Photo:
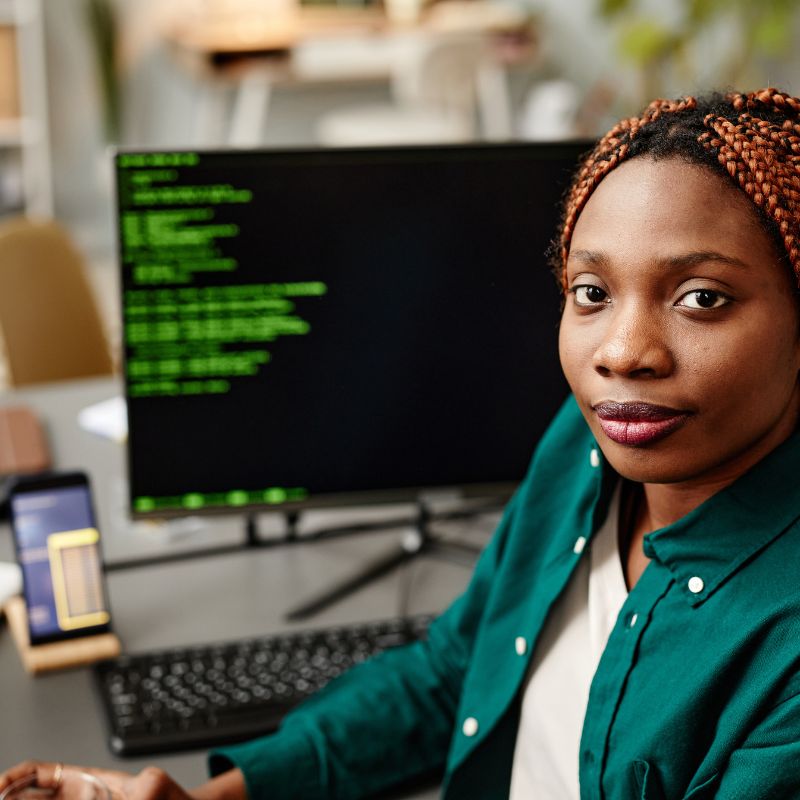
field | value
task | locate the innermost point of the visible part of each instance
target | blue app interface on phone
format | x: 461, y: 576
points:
x: 58, y: 551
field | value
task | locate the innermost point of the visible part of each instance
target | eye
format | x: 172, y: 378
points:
x: 704, y: 299
x: 589, y: 295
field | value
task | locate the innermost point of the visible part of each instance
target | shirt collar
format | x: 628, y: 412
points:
x: 708, y: 545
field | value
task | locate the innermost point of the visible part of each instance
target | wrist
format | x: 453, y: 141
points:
x: 227, y: 786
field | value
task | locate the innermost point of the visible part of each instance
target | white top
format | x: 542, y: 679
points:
x: 564, y: 662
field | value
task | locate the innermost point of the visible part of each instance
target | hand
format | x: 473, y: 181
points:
x: 150, y: 784
x: 50, y: 775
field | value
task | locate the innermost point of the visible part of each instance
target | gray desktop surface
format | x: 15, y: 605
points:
x: 244, y: 593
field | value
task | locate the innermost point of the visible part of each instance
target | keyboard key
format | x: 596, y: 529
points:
x: 209, y: 695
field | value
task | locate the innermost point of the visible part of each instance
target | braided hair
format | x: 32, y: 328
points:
x: 751, y: 139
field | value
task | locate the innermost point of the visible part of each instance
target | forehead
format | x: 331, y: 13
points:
x: 667, y: 205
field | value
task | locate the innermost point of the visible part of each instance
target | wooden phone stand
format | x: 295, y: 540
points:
x: 56, y: 655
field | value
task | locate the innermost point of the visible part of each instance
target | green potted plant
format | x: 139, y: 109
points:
x: 670, y: 49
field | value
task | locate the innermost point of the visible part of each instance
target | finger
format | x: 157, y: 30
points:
x: 43, y: 771
x: 50, y: 775
x: 45, y: 775
x: 16, y: 772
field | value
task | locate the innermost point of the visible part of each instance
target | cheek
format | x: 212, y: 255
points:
x: 707, y: 360
x: 571, y: 351
x: 578, y: 341
x: 751, y: 368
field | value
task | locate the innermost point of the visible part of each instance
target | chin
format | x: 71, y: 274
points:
x: 647, y: 465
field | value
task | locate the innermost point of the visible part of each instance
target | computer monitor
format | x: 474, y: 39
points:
x: 315, y: 327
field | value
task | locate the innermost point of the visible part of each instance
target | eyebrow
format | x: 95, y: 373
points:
x: 692, y: 259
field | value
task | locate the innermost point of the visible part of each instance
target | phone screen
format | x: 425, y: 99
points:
x: 57, y: 545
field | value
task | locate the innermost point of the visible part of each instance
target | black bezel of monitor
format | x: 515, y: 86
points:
x: 496, y: 490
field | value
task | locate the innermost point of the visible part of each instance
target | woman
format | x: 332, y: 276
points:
x: 630, y: 632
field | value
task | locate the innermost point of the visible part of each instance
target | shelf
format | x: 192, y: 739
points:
x: 19, y: 12
x: 7, y: 13
x: 24, y: 127
x: 19, y: 132
x: 11, y: 133
x: 7, y: 213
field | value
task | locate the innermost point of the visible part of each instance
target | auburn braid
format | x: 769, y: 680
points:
x: 752, y: 138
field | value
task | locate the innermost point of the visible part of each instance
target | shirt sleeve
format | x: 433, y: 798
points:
x: 384, y: 721
x: 765, y: 766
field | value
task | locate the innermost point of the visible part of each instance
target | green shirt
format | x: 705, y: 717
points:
x: 697, y: 694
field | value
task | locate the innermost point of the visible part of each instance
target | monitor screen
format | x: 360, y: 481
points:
x: 331, y: 326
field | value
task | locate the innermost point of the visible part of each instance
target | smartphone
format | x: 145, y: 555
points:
x: 58, y: 548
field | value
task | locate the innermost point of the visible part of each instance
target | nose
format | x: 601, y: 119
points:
x: 634, y: 345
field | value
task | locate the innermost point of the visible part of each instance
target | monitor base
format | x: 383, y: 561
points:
x: 421, y: 541
x: 428, y: 544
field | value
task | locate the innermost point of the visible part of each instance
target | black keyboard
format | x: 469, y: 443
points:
x: 190, y: 697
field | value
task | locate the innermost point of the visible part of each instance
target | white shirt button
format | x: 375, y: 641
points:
x: 520, y: 645
x: 470, y: 726
x: 633, y: 620
x: 594, y: 457
x: 580, y: 543
x: 696, y: 585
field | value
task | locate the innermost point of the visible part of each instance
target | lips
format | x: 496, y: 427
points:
x: 638, y: 423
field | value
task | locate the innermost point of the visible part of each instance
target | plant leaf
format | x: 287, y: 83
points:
x: 610, y: 8
x: 644, y: 41
x: 700, y: 12
x: 772, y: 31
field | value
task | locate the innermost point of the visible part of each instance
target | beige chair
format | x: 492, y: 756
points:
x: 49, y: 322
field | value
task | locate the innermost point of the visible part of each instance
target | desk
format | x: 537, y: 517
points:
x: 57, y: 717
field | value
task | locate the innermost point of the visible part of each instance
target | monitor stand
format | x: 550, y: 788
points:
x: 420, y: 541
x: 415, y: 543
x: 252, y: 539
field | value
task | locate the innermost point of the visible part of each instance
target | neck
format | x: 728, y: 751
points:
x: 665, y: 503
x: 650, y: 506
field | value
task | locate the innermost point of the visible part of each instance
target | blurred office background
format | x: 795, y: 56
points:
x: 78, y: 77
